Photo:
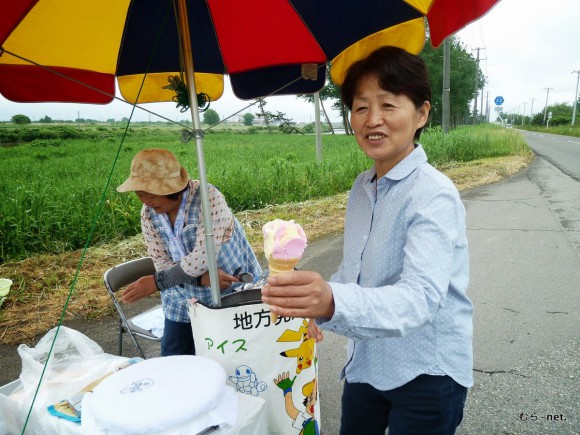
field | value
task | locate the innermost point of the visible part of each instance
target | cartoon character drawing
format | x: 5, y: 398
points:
x: 247, y: 382
x: 304, y: 353
x: 305, y: 421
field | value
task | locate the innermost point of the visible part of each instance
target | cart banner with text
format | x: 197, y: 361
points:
x: 274, y: 361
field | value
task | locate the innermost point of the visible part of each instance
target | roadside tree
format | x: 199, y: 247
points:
x: 269, y: 118
x: 561, y: 115
x: 210, y: 117
x: 464, y: 71
x: 21, y: 119
x: 331, y: 92
x: 248, y: 119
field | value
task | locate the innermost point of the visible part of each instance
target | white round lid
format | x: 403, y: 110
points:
x: 158, y: 393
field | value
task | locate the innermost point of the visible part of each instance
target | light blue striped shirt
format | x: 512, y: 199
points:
x: 400, y: 291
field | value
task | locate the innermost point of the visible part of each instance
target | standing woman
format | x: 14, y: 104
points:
x: 399, y: 294
x: 172, y: 225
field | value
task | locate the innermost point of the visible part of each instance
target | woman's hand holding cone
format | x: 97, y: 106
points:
x: 301, y: 294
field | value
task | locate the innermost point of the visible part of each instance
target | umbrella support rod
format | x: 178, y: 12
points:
x: 203, y: 183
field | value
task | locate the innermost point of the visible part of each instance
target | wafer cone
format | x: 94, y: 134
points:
x: 277, y: 266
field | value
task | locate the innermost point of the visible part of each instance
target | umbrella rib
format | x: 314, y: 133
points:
x: 100, y: 91
x: 86, y: 85
x: 234, y: 114
x: 273, y: 93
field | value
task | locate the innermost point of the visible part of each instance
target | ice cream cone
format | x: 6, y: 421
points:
x: 277, y: 266
x: 284, y: 243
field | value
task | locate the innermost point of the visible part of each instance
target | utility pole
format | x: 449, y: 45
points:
x: 532, y: 109
x: 445, y: 97
x: 546, y: 108
x: 487, y: 107
x: 476, y: 84
x: 481, y: 113
x: 524, y: 114
x: 575, y: 103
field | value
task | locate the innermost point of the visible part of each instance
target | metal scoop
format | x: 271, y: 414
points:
x: 260, y: 282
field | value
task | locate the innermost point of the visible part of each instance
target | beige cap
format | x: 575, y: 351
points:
x: 155, y: 171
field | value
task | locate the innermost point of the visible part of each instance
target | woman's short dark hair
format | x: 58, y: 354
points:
x: 397, y: 71
x: 175, y: 196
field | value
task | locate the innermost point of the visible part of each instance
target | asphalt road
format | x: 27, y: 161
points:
x: 562, y: 151
x: 524, y: 240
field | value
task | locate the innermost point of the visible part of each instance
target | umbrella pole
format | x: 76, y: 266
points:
x: 207, y: 222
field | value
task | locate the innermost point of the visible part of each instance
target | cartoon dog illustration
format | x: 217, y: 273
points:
x: 304, y: 353
x: 247, y: 382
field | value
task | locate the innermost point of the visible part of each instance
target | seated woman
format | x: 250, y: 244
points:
x: 172, y: 225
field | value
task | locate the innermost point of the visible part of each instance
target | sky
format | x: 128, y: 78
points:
x: 525, y: 46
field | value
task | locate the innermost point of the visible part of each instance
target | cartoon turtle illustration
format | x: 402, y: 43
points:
x: 247, y: 382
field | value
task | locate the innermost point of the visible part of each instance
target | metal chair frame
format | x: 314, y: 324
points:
x: 115, y: 279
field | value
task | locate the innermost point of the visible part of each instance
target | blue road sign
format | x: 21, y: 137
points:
x: 498, y: 101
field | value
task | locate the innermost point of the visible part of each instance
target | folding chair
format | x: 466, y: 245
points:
x: 118, y: 277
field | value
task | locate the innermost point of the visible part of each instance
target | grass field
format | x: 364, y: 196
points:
x: 565, y: 130
x: 60, y: 190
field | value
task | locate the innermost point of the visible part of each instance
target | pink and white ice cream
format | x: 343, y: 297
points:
x: 284, y: 244
x: 283, y: 240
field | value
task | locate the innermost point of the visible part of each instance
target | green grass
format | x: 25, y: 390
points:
x: 566, y: 130
x: 469, y: 143
x: 54, y: 187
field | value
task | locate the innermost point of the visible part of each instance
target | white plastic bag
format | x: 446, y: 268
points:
x: 74, y: 364
x: 10, y: 419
